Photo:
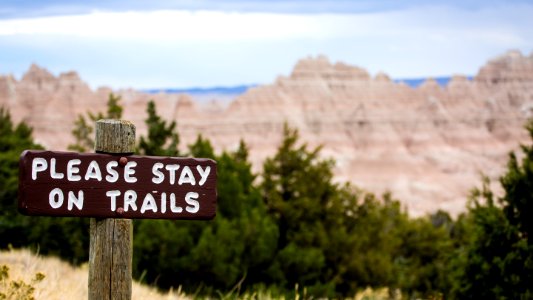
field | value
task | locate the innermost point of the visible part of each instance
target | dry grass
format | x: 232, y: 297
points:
x: 62, y: 281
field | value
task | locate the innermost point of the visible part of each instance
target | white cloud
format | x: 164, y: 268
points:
x: 199, y: 48
x: 438, y: 23
x: 166, y: 25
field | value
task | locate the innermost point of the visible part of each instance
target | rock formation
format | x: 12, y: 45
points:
x: 428, y: 145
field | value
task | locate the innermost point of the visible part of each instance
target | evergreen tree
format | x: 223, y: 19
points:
x: 241, y: 210
x: 423, y: 257
x: 202, y: 148
x: 66, y: 237
x: 336, y: 239
x: 114, y: 109
x: 83, y: 131
x: 374, y: 235
x: 310, y: 212
x: 162, y: 139
x: 161, y: 247
x: 232, y: 249
x: 498, y: 259
x: 518, y: 186
x: 14, y: 138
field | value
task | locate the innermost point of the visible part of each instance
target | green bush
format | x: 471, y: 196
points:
x: 292, y: 226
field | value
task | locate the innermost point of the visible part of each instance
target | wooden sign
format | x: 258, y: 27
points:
x: 98, y: 185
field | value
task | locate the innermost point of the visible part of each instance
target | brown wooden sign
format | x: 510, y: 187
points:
x: 98, y: 185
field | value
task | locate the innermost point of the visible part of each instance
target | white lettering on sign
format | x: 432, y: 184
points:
x: 53, y: 172
x: 93, y: 171
x: 191, y: 199
x: 173, y: 207
x: 113, y: 195
x: 159, y: 176
x: 112, y: 173
x: 72, y: 171
x: 73, y: 200
x: 186, y: 176
x: 129, y: 200
x: 152, y: 202
x: 172, y: 172
x: 203, y: 173
x: 148, y: 204
x: 129, y: 172
x: 56, y: 199
x: 38, y: 165
x: 164, y: 202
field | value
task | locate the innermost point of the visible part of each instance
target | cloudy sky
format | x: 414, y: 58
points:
x: 205, y: 43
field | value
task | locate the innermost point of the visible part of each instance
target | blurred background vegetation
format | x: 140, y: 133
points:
x: 291, y: 225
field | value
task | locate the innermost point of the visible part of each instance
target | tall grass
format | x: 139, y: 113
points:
x: 57, y: 279
x: 24, y: 275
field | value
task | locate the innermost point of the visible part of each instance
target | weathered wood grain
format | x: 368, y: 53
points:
x: 110, y: 253
x: 115, y: 136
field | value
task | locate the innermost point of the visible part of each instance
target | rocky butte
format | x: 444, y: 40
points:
x: 427, y: 145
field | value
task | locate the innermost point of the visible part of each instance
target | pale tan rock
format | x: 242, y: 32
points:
x: 427, y: 145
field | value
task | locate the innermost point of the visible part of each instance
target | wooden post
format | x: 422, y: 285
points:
x: 110, y: 253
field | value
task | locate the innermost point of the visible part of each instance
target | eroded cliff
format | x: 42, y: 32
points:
x: 428, y: 145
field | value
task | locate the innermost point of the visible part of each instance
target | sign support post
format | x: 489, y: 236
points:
x: 110, y: 252
x: 113, y: 186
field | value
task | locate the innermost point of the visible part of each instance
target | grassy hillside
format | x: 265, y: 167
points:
x: 61, y: 280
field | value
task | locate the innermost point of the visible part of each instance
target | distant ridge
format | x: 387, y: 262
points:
x: 220, y: 90
x: 427, y: 145
x: 241, y: 89
x: 416, y: 82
